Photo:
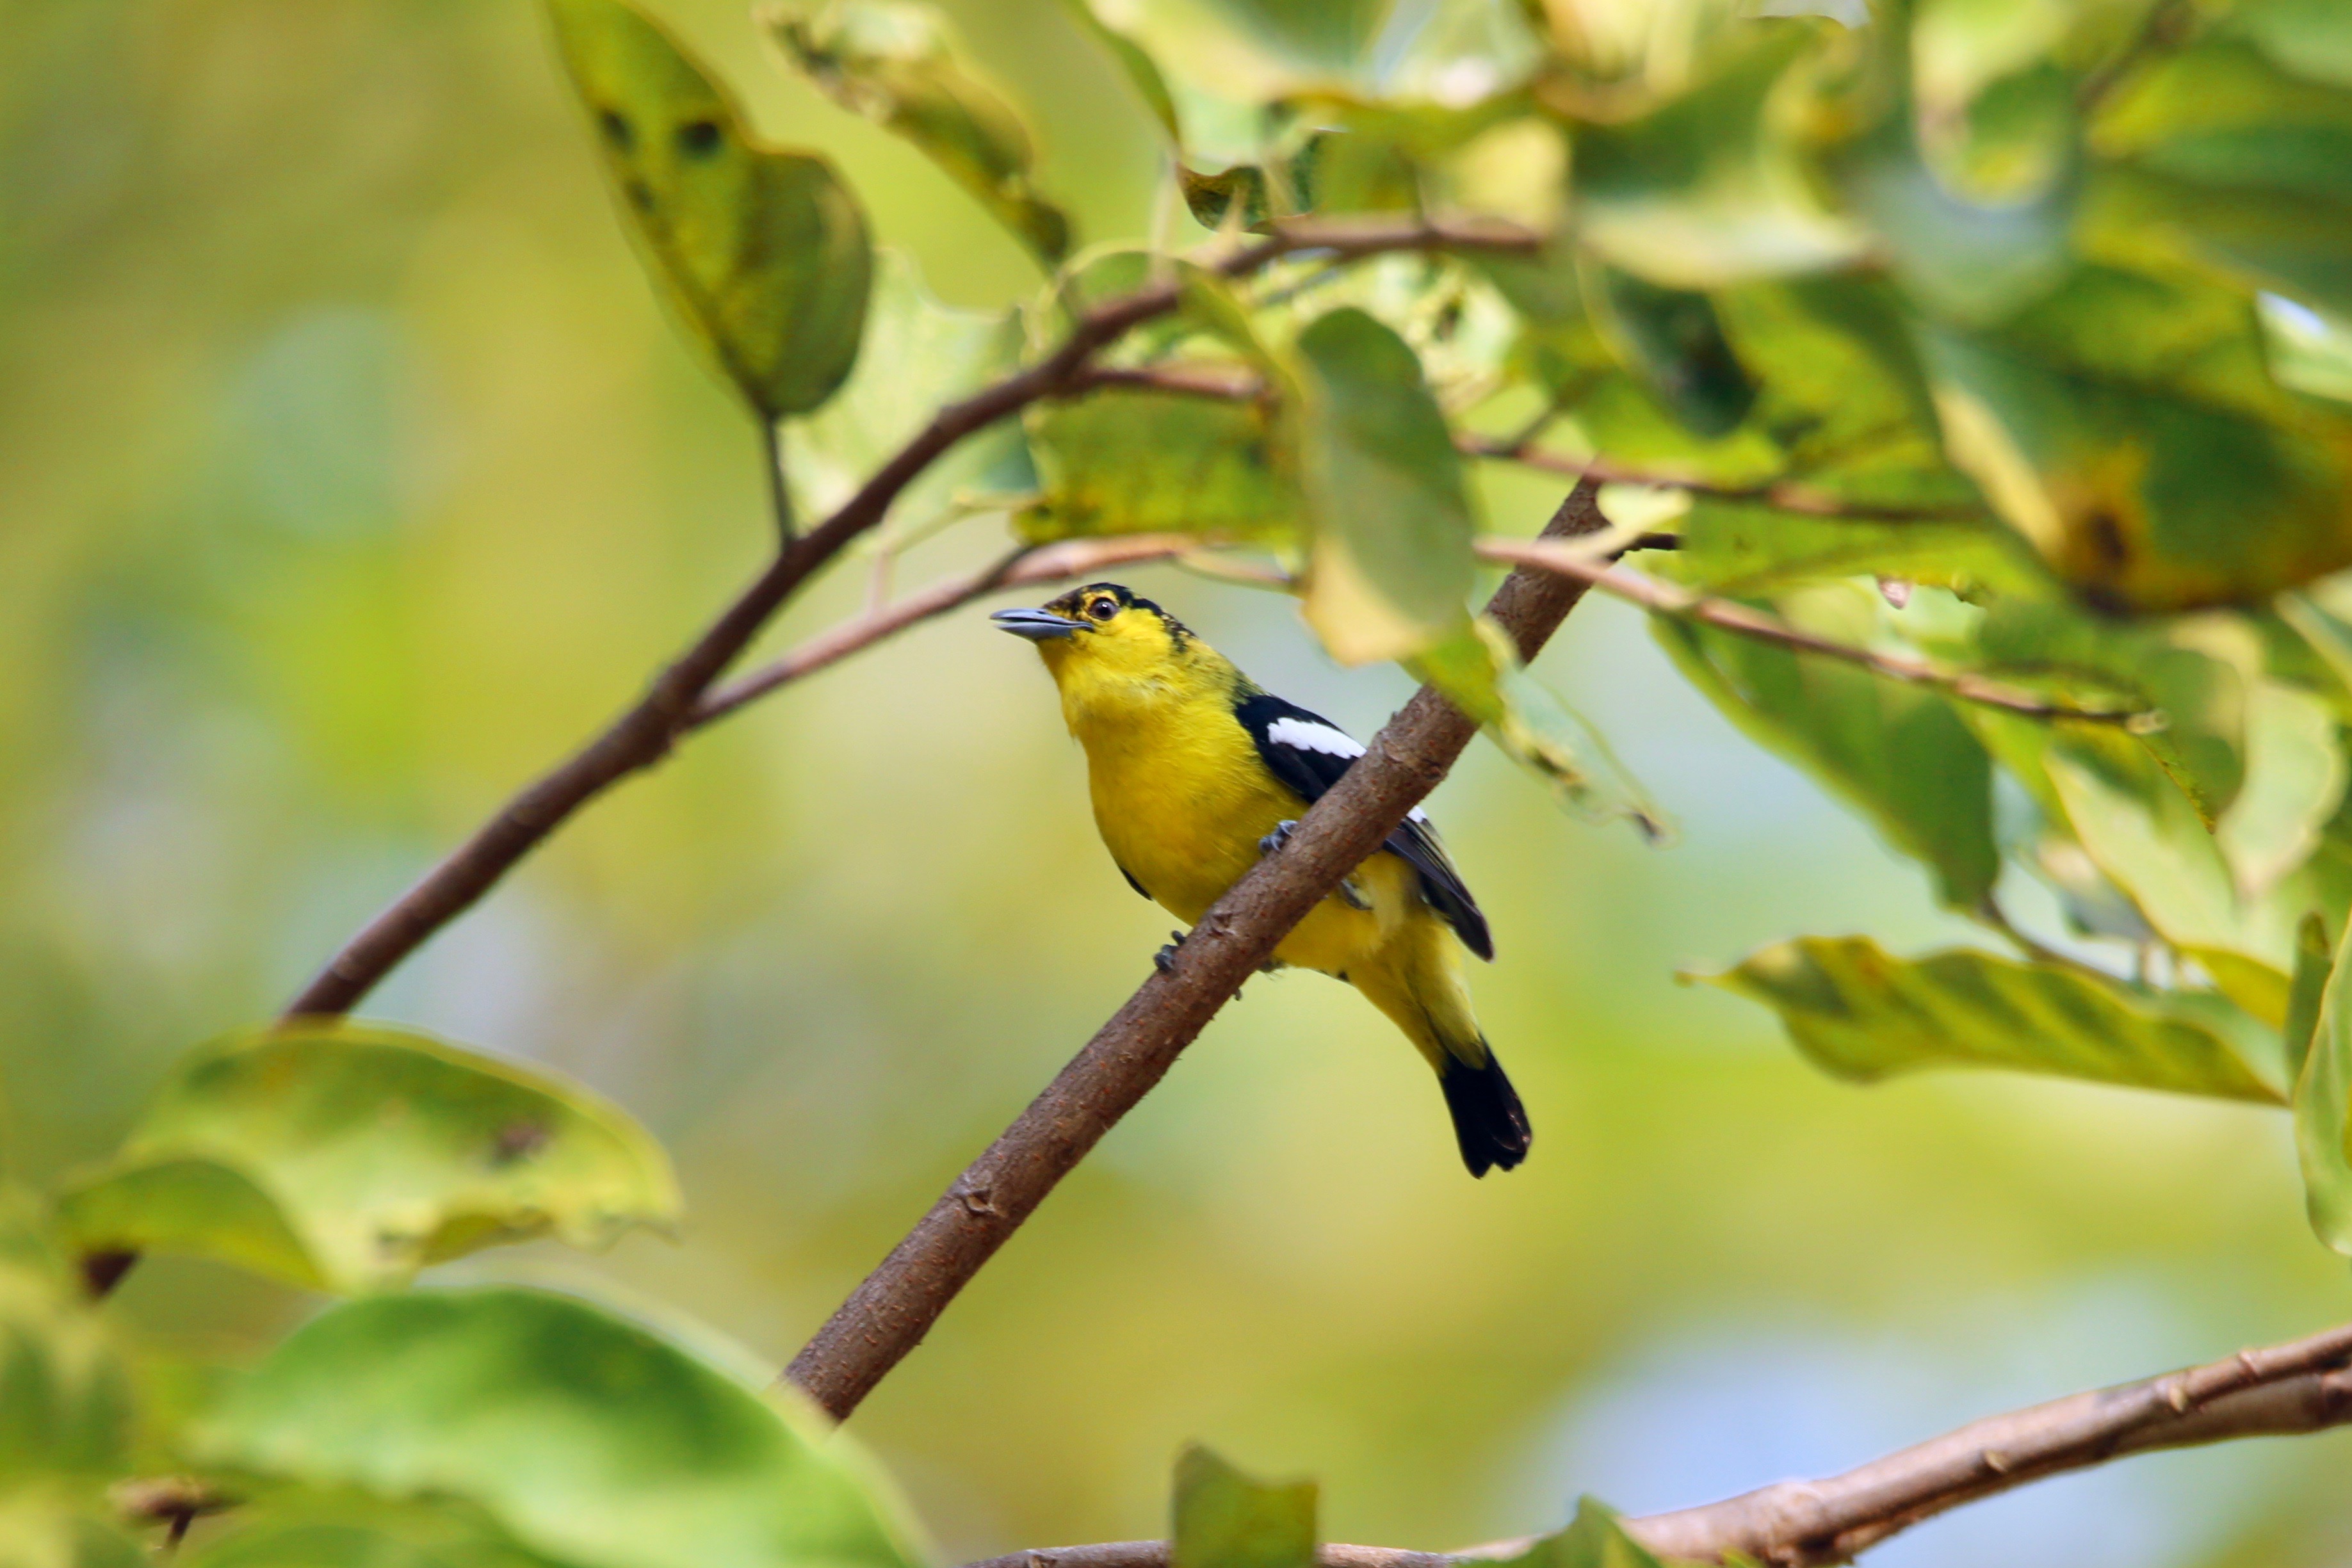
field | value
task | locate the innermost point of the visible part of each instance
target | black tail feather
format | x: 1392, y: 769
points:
x: 1489, y: 1123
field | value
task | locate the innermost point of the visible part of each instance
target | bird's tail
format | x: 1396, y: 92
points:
x: 1489, y: 1123
x: 1421, y: 990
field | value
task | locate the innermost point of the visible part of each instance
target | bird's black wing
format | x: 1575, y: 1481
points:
x: 1310, y: 753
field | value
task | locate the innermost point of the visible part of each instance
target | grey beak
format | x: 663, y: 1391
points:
x: 1037, y: 625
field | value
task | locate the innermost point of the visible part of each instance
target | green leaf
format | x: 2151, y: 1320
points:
x: 919, y: 356
x: 588, y: 1439
x: 1392, y: 520
x: 295, y: 1529
x: 1478, y: 670
x: 1861, y: 1014
x: 346, y: 1157
x: 1743, y: 548
x: 1710, y: 188
x: 1595, y: 1539
x: 2128, y: 427
x: 2313, y: 37
x: 761, y: 251
x: 1895, y: 752
x: 2149, y: 841
x: 1965, y: 259
x: 1672, y: 340
x: 65, y: 1406
x: 1224, y: 1519
x: 2227, y: 159
x: 2199, y: 684
x: 894, y: 63
x: 64, y: 1398
x: 1842, y: 389
x: 2323, y: 1088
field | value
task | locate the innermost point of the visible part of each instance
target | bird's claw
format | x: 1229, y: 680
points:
x: 1165, y: 959
x: 1351, y: 895
x: 1272, y: 843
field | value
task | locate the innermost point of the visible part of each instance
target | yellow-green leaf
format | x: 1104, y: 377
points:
x: 894, y: 62
x: 346, y: 1157
x: 761, y: 250
x: 1861, y: 1014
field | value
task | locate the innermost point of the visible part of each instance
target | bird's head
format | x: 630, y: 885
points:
x: 1102, y: 631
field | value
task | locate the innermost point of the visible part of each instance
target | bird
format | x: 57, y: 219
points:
x: 1196, y: 771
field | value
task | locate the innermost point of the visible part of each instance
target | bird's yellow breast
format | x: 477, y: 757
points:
x: 1182, y: 800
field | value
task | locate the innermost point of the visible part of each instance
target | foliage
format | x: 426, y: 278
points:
x: 2010, y: 342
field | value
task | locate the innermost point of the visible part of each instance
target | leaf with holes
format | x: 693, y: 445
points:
x: 588, y: 1439
x: 1860, y: 1013
x: 762, y: 251
x: 346, y: 1157
x: 894, y: 63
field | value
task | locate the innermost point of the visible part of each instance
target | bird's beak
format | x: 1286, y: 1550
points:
x: 1037, y: 625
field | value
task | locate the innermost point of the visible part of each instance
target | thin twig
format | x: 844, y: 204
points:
x: 2284, y: 1390
x: 1044, y: 563
x: 1665, y: 599
x: 890, y: 1312
x: 642, y: 734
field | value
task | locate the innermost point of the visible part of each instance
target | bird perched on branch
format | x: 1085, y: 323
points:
x: 1196, y: 771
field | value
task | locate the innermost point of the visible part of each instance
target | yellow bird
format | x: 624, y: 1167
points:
x: 1196, y: 771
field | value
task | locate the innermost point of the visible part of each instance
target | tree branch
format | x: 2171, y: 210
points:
x: 1665, y: 599
x: 642, y: 734
x: 2299, y: 1387
x: 890, y: 1312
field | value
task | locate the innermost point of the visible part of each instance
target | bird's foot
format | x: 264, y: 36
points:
x: 1165, y: 959
x: 1353, y: 896
x: 1272, y: 843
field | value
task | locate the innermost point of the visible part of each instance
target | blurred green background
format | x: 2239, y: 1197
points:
x: 350, y: 475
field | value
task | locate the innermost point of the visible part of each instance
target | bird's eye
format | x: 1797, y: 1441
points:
x: 1102, y: 609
